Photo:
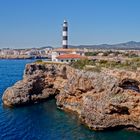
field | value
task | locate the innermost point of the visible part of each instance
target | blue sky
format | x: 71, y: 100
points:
x: 36, y: 23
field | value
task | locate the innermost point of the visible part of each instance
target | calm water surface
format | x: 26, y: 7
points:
x: 44, y: 121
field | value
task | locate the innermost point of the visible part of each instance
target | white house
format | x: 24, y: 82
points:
x: 67, y: 55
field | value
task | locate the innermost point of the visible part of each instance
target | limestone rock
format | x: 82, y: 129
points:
x: 102, y: 100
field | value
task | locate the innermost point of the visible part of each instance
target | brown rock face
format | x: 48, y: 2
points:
x: 102, y: 100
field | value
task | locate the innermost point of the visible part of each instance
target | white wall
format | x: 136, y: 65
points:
x: 54, y: 55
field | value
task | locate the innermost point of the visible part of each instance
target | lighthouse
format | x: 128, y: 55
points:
x: 65, y: 35
x: 65, y: 54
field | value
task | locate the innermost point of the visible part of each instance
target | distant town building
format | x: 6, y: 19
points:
x: 32, y: 52
x: 7, y: 51
x: 48, y: 50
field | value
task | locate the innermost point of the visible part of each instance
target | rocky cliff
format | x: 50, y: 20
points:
x: 103, y: 100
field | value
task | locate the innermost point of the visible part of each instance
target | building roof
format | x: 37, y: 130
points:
x: 70, y: 56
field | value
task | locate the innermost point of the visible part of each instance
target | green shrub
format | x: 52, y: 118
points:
x: 131, y: 64
x: 92, y: 68
x: 80, y: 64
x: 38, y: 61
x: 91, y: 53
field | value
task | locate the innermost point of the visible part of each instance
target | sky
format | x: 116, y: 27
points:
x: 37, y: 23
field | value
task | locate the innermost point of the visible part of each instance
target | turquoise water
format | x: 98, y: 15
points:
x: 44, y: 121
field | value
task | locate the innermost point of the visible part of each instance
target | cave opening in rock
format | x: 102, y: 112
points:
x: 130, y: 84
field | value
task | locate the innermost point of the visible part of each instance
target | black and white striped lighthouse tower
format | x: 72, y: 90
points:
x: 65, y: 35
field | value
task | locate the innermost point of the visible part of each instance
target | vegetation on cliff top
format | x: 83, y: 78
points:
x: 108, y: 53
x: 47, y: 62
x: 132, y: 64
x: 96, y: 65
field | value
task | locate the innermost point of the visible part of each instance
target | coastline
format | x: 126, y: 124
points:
x: 101, y: 100
x: 21, y: 57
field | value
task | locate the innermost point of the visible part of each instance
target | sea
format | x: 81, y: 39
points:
x: 44, y: 121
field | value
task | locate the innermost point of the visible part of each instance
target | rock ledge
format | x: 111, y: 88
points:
x: 102, y: 100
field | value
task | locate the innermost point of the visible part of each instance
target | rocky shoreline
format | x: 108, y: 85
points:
x: 15, y: 57
x: 102, y: 100
x: 12, y: 57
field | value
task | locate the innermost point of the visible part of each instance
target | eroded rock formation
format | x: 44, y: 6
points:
x: 102, y: 100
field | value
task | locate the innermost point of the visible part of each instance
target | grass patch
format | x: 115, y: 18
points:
x: 48, y: 62
x: 132, y: 64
